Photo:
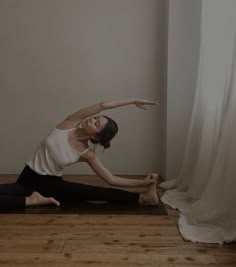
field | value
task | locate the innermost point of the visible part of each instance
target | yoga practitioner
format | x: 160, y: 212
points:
x: 41, y: 181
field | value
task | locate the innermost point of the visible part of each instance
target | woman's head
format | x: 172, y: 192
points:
x: 101, y: 129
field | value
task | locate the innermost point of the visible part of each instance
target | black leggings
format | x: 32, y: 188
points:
x: 12, y: 196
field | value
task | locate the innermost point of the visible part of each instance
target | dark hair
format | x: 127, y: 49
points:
x: 107, y: 133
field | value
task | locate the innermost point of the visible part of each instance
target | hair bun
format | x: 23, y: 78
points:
x: 106, y: 145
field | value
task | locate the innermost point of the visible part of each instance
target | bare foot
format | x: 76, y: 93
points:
x: 37, y: 199
x: 150, y: 198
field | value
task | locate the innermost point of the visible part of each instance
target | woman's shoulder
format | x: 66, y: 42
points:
x: 87, y: 155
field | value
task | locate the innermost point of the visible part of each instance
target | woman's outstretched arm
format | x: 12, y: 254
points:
x: 99, y: 107
x: 107, y: 176
x: 77, y: 117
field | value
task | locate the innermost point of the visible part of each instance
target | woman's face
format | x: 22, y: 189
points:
x: 94, y: 125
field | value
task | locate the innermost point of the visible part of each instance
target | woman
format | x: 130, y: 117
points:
x: 41, y: 181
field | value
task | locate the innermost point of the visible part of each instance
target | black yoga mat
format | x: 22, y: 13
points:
x: 93, y: 208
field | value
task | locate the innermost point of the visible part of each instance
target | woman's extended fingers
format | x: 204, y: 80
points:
x: 141, y: 106
x: 142, y: 102
x: 148, y: 102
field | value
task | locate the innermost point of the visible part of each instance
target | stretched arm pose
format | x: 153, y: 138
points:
x: 101, y: 129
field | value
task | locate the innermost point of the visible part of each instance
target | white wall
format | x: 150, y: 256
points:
x: 183, y: 50
x: 60, y: 55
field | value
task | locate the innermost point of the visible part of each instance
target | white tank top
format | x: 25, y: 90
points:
x: 54, y: 153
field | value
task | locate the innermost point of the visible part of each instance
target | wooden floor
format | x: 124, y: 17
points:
x: 103, y: 240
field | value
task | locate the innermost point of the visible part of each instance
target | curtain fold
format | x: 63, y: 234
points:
x: 204, y: 190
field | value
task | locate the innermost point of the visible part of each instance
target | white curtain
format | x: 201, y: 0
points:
x: 205, y: 189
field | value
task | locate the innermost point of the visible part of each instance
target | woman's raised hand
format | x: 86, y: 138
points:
x: 141, y: 103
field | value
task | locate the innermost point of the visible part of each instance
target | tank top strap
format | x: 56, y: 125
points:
x: 85, y: 151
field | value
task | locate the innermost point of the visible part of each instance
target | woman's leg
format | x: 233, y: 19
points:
x: 20, y: 194
x: 65, y: 191
x: 30, y: 179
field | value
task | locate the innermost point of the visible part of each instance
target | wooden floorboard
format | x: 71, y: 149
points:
x: 56, y: 240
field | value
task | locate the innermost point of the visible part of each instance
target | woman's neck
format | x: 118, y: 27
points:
x: 81, y: 135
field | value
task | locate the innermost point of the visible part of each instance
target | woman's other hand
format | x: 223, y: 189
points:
x: 151, y: 178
